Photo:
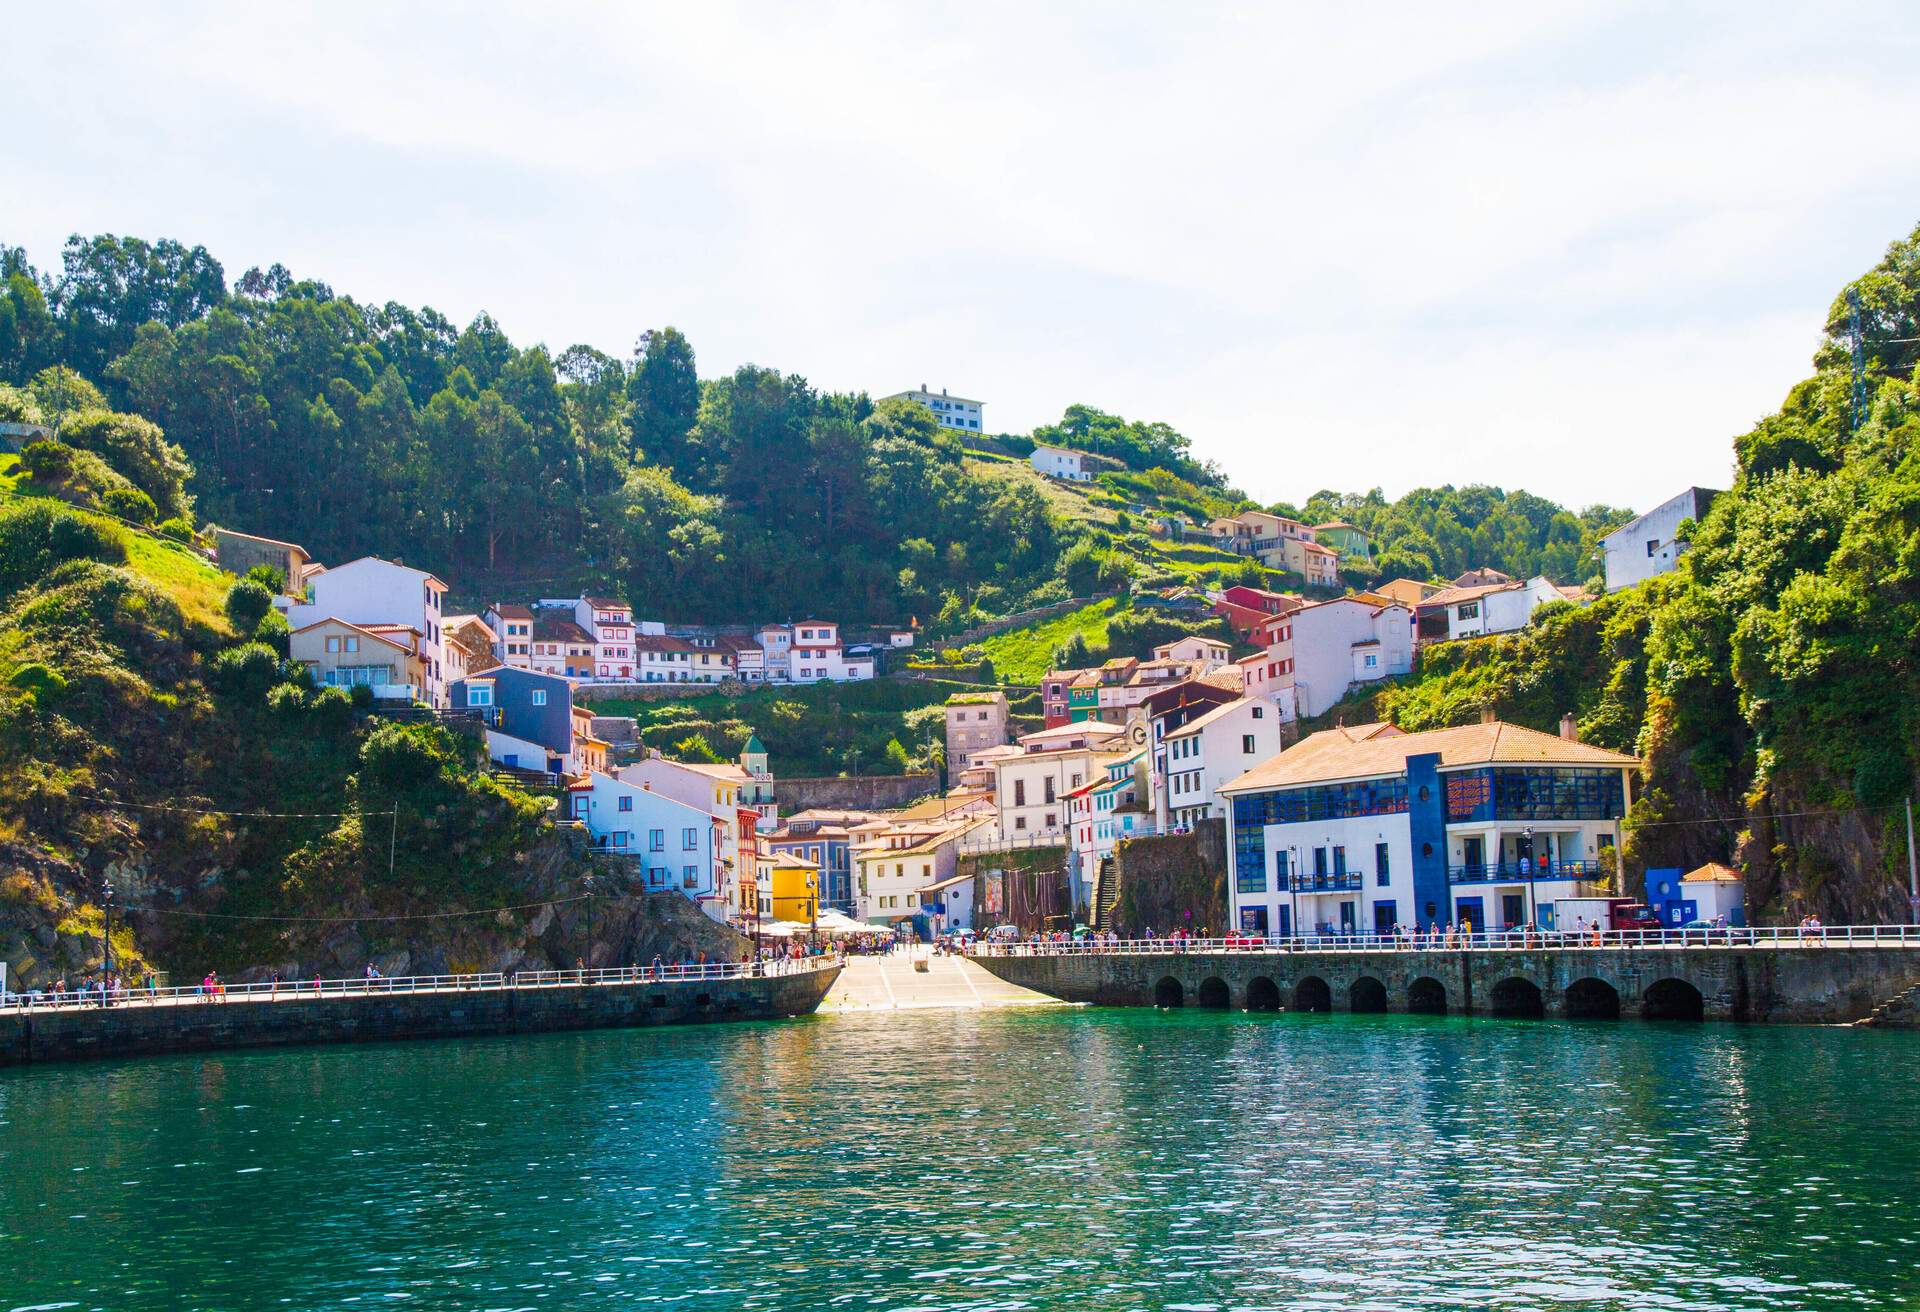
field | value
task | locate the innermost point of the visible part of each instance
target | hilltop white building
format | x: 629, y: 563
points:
x: 1651, y: 544
x: 956, y: 412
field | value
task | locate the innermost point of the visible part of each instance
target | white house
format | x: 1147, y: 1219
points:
x: 1361, y: 829
x: 608, y: 621
x: 1477, y: 610
x: 371, y: 591
x: 1207, y: 654
x: 512, y: 625
x: 1208, y: 751
x: 955, y: 412
x: 1651, y: 544
x: 1321, y: 650
x: 715, y: 789
x: 1058, y: 462
x: 674, y: 844
x: 905, y: 871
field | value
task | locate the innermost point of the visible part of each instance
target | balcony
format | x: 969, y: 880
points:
x: 1333, y: 881
x: 1520, y: 872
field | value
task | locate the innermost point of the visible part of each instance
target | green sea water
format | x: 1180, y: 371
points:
x: 1060, y: 1158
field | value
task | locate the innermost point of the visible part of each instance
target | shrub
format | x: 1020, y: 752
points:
x: 176, y: 528
x: 45, y: 461
x: 19, y: 407
x: 135, y: 448
x: 267, y: 577
x: 37, y: 535
x: 247, y: 670
x: 333, y: 707
x: 40, y: 682
x: 129, y: 503
x: 274, y: 631
x: 286, y: 699
x: 362, y: 696
x: 247, y: 604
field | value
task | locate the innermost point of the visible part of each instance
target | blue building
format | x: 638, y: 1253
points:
x: 529, y: 716
x: 824, y: 838
x: 1358, y: 829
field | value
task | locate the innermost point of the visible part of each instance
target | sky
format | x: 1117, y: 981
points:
x: 1575, y: 248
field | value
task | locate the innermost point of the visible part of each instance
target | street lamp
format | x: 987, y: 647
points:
x: 584, y: 958
x: 813, y: 912
x: 106, y: 944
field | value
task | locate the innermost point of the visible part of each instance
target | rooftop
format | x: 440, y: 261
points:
x: 1335, y: 754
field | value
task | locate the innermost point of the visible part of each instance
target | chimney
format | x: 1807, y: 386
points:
x: 1486, y: 715
x: 1568, y: 729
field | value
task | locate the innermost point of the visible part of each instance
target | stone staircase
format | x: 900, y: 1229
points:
x: 1106, y: 894
x: 1902, y: 1009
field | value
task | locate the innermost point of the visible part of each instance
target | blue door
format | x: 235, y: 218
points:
x: 1384, y: 916
x: 1469, y: 909
x: 1285, y: 916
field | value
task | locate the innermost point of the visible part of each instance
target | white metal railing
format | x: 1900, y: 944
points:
x: 298, y: 990
x: 1790, y: 936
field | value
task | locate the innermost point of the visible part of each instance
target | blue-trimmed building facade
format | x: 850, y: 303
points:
x: 1425, y: 838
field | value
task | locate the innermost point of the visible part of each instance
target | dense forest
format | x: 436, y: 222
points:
x: 1772, y: 681
x: 357, y: 428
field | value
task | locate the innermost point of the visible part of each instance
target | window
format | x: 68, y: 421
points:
x: 1246, y: 743
x: 690, y: 876
x: 539, y: 697
x: 1019, y: 792
x: 1382, y: 873
x: 333, y: 644
x: 1372, y: 661
x: 1259, y: 713
x: 1653, y: 547
x: 1468, y: 610
x: 1019, y: 822
x: 626, y: 804
x: 620, y: 836
x: 1050, y: 819
x: 1048, y: 789
x: 656, y: 840
x: 689, y: 839
x: 1319, y: 860
x: 479, y: 696
x: 913, y: 899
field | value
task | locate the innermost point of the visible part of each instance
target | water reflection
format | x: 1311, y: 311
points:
x: 1047, y: 1159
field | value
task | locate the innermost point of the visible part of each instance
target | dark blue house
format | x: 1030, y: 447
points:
x: 529, y: 716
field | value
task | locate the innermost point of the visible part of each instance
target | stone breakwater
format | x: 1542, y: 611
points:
x: 130, y: 1030
x: 1795, y: 984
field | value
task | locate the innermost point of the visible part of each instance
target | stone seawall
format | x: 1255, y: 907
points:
x: 1784, y: 985
x: 868, y: 792
x: 138, y: 1030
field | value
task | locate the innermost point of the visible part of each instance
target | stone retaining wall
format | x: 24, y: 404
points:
x: 869, y: 792
x: 1787, y: 985
x: 133, y: 1030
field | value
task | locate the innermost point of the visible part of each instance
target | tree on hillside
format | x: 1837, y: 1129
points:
x: 665, y: 392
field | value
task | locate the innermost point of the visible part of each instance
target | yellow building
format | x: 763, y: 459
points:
x: 793, y: 888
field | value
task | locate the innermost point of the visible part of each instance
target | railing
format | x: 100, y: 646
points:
x: 1331, y: 881
x: 1508, y: 872
x: 1516, y: 940
x: 302, y: 990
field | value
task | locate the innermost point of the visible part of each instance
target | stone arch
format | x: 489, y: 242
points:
x: 1592, y: 999
x: 1517, y: 996
x: 1312, y: 994
x: 1214, y: 994
x: 1427, y: 996
x: 1673, y: 999
x: 1169, y: 993
x: 1367, y: 994
x: 1262, y: 994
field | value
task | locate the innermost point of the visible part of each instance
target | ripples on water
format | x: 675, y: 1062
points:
x: 958, y: 1160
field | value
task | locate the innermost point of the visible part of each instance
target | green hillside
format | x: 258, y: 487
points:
x: 1772, y: 680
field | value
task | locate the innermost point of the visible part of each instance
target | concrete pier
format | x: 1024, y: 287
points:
x: 135, y: 1029
x: 1786, y: 984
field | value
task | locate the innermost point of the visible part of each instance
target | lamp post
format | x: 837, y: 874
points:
x: 586, y: 956
x: 813, y: 912
x: 1527, y: 836
x: 106, y: 944
x: 1293, y: 890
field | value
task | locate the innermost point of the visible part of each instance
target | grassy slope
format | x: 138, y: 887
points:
x: 1021, y: 656
x: 199, y: 586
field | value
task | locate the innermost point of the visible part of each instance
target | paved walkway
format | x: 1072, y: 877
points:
x: 890, y: 983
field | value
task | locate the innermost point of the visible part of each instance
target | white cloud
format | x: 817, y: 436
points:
x: 1572, y: 249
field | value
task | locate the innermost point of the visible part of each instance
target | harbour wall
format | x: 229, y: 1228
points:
x: 1780, y: 985
x: 136, y: 1029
